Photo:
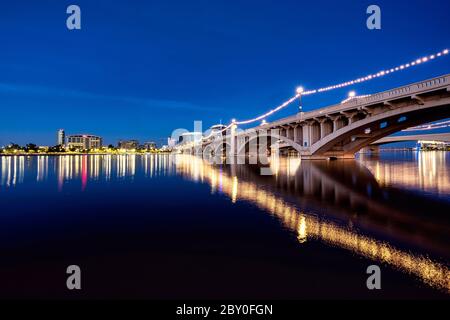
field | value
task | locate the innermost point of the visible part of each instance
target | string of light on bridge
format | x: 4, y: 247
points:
x: 301, y: 92
x: 382, y: 73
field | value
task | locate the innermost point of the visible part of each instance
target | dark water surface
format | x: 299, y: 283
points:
x: 160, y: 226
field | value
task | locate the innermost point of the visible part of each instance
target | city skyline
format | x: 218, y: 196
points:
x: 62, y: 137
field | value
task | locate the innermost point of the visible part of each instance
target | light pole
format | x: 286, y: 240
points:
x: 299, y: 92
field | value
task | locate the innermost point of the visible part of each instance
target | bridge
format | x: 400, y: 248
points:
x: 441, y: 137
x: 337, y: 131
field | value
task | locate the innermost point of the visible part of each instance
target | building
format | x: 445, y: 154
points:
x: 150, y: 145
x: 60, y: 137
x: 128, y: 144
x: 433, y: 145
x: 84, y: 141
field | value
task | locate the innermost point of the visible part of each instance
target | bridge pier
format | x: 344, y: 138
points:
x: 298, y: 134
x: 306, y: 135
x: 231, y: 146
x: 315, y: 132
x: 326, y: 127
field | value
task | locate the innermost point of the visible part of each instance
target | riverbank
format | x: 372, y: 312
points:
x: 79, y: 153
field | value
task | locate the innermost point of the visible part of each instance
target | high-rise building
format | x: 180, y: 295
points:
x: 84, y: 141
x: 60, y: 137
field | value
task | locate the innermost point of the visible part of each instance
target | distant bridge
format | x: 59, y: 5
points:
x: 441, y: 137
x: 341, y: 130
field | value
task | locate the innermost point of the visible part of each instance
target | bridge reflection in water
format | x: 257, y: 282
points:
x: 353, y: 205
x: 236, y: 185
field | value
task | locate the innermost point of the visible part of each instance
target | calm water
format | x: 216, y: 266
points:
x: 174, y: 227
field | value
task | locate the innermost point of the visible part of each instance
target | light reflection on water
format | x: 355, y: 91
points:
x: 12, y: 171
x: 84, y: 167
x: 428, y: 172
x: 311, y: 226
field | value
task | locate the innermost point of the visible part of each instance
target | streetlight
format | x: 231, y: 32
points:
x: 352, y: 94
x: 299, y: 92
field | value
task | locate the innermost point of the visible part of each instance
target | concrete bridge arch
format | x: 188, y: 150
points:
x: 348, y: 140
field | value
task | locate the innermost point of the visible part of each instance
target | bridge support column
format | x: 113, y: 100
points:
x: 241, y: 148
x: 326, y: 127
x: 290, y: 133
x: 270, y: 139
x: 315, y: 132
x: 340, y: 122
x: 273, y: 142
x: 322, y: 130
x: 351, y: 117
x: 252, y: 146
x: 232, y: 144
x: 298, y: 134
x: 306, y: 135
x: 263, y: 142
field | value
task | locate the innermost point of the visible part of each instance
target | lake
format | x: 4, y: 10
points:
x: 176, y: 227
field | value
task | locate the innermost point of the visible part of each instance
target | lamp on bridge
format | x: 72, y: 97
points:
x: 352, y: 94
x: 233, y: 124
x: 299, y: 92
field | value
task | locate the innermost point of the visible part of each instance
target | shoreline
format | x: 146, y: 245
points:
x: 168, y: 152
x: 78, y: 154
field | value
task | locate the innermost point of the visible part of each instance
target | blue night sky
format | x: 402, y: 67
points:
x: 139, y: 69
